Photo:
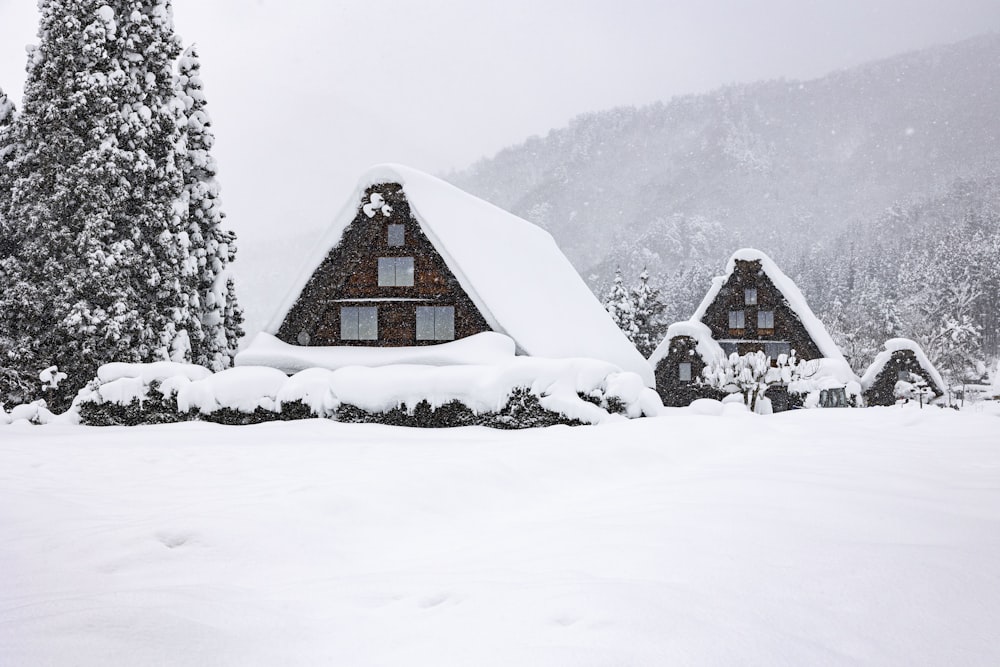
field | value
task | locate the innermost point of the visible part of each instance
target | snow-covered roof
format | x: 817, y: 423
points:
x: 512, y: 270
x: 895, y: 345
x: 787, y: 287
x: 481, y: 349
x: 707, y: 347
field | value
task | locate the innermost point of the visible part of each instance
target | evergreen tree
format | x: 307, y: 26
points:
x: 94, y: 191
x: 7, y: 113
x: 216, y: 330
x: 648, y: 315
x: 621, y: 307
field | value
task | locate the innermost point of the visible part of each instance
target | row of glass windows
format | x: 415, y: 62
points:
x: 432, y: 323
x: 771, y: 348
x: 738, y: 319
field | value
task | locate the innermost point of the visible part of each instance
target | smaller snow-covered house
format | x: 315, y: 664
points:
x: 902, y: 360
x: 413, y: 270
x: 753, y: 307
x: 679, y: 360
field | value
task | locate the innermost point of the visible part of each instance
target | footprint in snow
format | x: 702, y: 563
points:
x: 173, y: 540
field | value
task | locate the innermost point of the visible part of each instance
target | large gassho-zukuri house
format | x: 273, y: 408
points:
x: 413, y: 269
x: 753, y: 307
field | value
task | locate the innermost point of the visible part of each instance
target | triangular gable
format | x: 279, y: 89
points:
x: 512, y: 271
x: 813, y: 340
x: 899, y: 354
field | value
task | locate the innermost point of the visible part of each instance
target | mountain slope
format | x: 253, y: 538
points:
x: 777, y: 164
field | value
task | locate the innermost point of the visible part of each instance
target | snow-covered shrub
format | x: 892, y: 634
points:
x: 34, y: 413
x: 518, y: 394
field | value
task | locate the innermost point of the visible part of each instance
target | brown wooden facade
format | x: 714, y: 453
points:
x: 349, y: 277
x: 786, y: 327
x: 677, y: 392
x: 899, y: 367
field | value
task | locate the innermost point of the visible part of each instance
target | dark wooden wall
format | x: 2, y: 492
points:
x: 349, y: 277
x: 882, y: 390
x: 787, y: 325
x: 672, y: 390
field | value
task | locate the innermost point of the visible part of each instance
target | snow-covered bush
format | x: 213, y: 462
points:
x: 751, y: 375
x: 520, y: 393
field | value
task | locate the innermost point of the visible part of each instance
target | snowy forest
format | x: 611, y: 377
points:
x: 876, y: 189
x: 113, y: 246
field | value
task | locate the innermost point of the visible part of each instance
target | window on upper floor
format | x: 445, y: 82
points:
x: 765, y: 319
x: 395, y: 272
x: 737, y: 319
x: 750, y: 296
x: 358, y: 323
x: 435, y: 323
x: 396, y: 235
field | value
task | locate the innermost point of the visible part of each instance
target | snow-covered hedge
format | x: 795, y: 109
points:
x: 519, y: 393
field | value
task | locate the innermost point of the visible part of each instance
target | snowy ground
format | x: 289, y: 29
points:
x: 808, y: 538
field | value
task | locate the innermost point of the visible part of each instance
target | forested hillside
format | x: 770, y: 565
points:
x: 814, y: 173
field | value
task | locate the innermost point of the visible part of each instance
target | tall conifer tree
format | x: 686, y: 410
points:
x: 216, y: 329
x: 94, y: 190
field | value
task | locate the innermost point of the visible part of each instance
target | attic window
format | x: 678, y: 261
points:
x: 435, y: 323
x: 395, y: 272
x: 737, y: 319
x: 684, y: 372
x: 396, y: 236
x: 750, y: 296
x: 765, y: 319
x: 358, y: 323
x: 903, y: 376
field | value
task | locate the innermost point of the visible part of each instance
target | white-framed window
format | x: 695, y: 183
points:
x: 765, y: 319
x: 396, y: 235
x: 750, y: 296
x: 395, y: 272
x: 358, y: 323
x: 737, y: 319
x: 684, y: 371
x: 435, y: 323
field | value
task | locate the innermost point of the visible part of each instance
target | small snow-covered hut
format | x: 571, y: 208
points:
x: 678, y: 361
x: 900, y: 361
x: 414, y: 270
x: 753, y: 307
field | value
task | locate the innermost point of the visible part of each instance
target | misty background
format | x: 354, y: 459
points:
x: 305, y: 95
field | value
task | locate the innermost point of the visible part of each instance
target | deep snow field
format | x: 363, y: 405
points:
x: 817, y: 537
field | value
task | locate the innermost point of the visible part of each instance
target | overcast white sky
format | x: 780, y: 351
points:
x: 305, y: 94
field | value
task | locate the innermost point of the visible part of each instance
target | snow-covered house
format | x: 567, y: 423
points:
x: 679, y: 360
x: 414, y: 270
x: 902, y: 361
x: 753, y: 307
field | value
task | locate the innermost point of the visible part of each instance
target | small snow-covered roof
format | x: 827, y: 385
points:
x: 787, y: 287
x: 896, y: 345
x: 707, y: 347
x: 512, y: 270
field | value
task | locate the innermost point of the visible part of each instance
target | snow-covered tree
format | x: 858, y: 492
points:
x: 216, y: 330
x: 621, y: 307
x: 752, y: 374
x: 94, y: 191
x: 647, y: 315
x: 7, y: 112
